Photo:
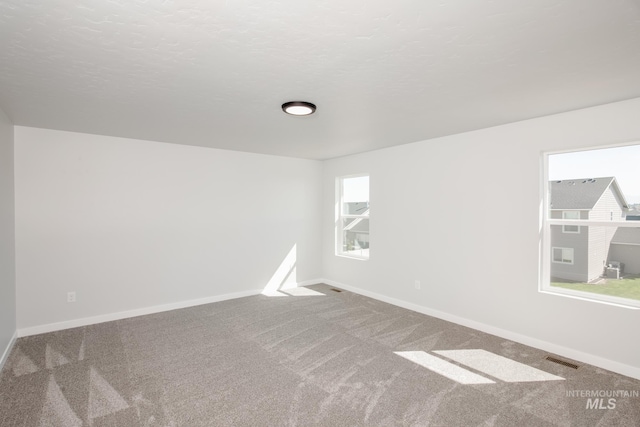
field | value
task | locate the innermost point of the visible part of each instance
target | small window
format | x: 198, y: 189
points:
x: 571, y: 215
x: 352, y: 227
x: 563, y: 255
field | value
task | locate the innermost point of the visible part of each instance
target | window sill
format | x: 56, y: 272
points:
x: 583, y: 296
x: 356, y: 257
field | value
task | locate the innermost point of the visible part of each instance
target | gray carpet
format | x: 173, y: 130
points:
x: 330, y: 359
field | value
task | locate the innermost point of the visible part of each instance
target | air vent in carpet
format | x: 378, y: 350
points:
x: 562, y: 362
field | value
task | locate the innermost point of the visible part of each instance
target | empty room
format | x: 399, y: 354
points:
x: 287, y: 213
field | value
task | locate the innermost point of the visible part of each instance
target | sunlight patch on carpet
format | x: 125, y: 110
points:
x: 22, y: 364
x: 56, y: 410
x: 497, y: 366
x: 303, y: 292
x: 103, y: 398
x: 54, y: 358
x: 444, y: 368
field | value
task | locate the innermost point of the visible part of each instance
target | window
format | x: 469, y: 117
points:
x: 591, y: 239
x: 563, y: 255
x: 352, y: 226
x: 571, y: 215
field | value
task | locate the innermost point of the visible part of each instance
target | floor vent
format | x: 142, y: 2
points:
x: 562, y: 362
x: 336, y: 290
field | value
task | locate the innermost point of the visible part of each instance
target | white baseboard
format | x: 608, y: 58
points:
x: 51, y: 327
x: 611, y: 365
x: 41, y: 329
x: 7, y: 350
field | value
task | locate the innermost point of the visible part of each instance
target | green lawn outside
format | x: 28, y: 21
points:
x: 624, y: 288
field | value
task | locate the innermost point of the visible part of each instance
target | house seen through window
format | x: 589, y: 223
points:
x: 592, y: 225
x: 352, y: 236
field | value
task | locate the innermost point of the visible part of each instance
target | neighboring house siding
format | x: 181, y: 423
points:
x: 627, y: 254
x: 608, y: 208
x: 625, y: 248
x: 609, y: 205
x: 576, y: 241
x: 597, y: 199
x: 599, y: 239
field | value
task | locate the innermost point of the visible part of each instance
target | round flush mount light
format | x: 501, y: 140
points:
x: 298, y: 108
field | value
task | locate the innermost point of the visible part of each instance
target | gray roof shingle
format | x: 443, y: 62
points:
x: 627, y: 235
x: 578, y: 193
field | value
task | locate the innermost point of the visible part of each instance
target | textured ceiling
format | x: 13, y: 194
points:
x: 382, y: 73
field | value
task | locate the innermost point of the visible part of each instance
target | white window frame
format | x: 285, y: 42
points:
x: 553, y: 249
x: 564, y: 227
x: 340, y: 216
x: 544, y: 282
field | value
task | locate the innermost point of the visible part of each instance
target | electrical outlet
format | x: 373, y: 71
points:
x: 71, y: 297
x: 416, y: 284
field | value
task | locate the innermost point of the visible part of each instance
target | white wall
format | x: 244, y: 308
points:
x: 129, y: 224
x: 461, y: 214
x: 7, y: 241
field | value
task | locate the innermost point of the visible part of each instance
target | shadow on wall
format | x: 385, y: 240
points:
x: 284, y: 282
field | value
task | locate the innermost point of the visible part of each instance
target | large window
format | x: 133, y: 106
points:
x: 352, y: 226
x: 591, y: 227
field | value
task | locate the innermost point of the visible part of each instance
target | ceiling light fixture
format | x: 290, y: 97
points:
x: 298, y: 108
